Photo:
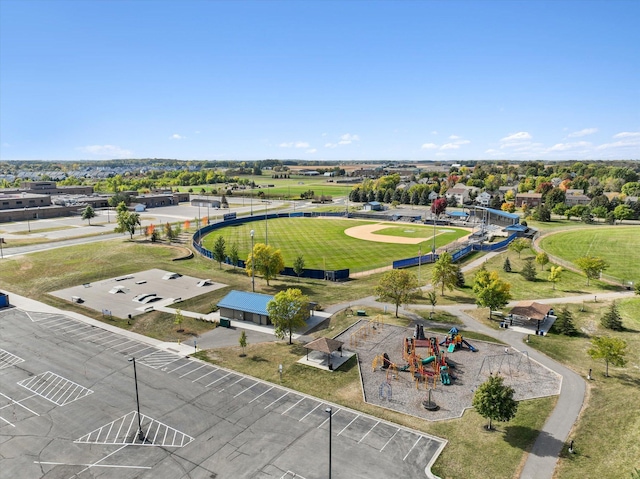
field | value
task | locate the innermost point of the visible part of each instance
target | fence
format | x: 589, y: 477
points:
x: 330, y: 275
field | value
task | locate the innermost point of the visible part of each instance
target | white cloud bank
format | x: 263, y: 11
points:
x: 583, y: 132
x: 175, y: 136
x: 294, y: 144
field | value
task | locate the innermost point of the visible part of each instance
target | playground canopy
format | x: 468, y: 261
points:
x: 531, y: 310
x: 325, y: 345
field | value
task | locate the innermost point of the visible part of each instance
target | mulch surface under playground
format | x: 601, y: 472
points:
x: 397, y: 391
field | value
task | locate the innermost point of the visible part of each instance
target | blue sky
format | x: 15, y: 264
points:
x: 325, y: 80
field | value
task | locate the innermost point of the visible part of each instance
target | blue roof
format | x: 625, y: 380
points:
x: 249, y: 302
x: 516, y: 227
x: 458, y: 214
x: 512, y: 216
x: 375, y: 203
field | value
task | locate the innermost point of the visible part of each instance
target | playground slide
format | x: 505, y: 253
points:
x: 428, y: 360
x: 471, y: 348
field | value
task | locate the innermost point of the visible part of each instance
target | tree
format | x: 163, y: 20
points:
x: 118, y: 198
x: 612, y: 350
x: 178, y: 318
x: 459, y: 277
x: 528, y: 270
x: 439, y: 206
x: 506, y: 265
x: 491, y: 292
x: 242, y: 341
x: 611, y: 319
x: 398, y: 286
x: 219, y: 250
x: 169, y: 232
x: 591, y: 266
x: 508, y: 206
x: 541, y: 213
x: 288, y: 310
x: 127, y: 220
x: 519, y: 244
x: 623, y: 212
x: 444, y: 272
x: 554, y: 275
x: 564, y: 323
x: 432, y: 297
x: 233, y: 255
x: 266, y: 260
x: 600, y: 211
x: 542, y: 259
x: 494, y: 400
x: 298, y: 266
x: 88, y: 213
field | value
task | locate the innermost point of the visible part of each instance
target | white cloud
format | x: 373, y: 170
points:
x: 583, y: 132
x: 454, y: 145
x: 570, y: 146
x: 348, y: 138
x: 175, y: 136
x: 429, y: 146
x: 312, y: 150
x: 296, y: 144
x: 454, y: 137
x: 627, y: 134
x: 330, y: 145
x: 520, y: 136
x: 434, y: 132
x: 629, y: 143
x: 105, y: 150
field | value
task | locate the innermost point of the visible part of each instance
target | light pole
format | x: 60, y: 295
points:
x: 329, y: 412
x: 135, y: 378
x: 253, y: 271
x: 28, y: 223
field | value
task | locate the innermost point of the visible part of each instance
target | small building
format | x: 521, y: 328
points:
x: 484, y: 198
x: 574, y: 200
x: 373, y: 206
x: 530, y: 314
x: 531, y: 199
x: 244, y: 306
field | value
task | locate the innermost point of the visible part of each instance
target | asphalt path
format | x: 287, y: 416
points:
x: 68, y: 410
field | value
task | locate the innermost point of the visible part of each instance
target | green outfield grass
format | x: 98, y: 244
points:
x: 323, y: 243
x: 618, y: 245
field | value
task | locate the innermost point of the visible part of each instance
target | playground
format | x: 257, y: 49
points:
x: 434, y: 375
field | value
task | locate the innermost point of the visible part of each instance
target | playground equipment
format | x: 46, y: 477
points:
x: 424, y: 369
x: 368, y: 328
x: 455, y: 341
x: 383, y: 361
x: 507, y: 364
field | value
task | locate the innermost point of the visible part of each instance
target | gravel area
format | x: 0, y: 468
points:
x: 529, y: 378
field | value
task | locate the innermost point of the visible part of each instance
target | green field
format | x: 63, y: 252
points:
x: 323, y: 243
x: 618, y: 245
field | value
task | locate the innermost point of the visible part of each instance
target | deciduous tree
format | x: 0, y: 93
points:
x: 88, y: 213
x: 266, y: 260
x: 612, y: 350
x: 298, y: 266
x: 491, y: 292
x: 398, y: 286
x: 554, y: 275
x: 519, y: 244
x: 444, y: 273
x: 494, y: 401
x: 288, y: 310
x: 542, y: 259
x: 591, y: 266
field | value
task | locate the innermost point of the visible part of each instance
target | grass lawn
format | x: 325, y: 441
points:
x: 471, y: 451
x: 598, y: 241
x: 323, y: 243
x: 607, y: 435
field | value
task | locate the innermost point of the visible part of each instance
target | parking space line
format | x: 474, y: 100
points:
x: 357, y: 416
x: 19, y: 403
x: 245, y: 390
x: 179, y: 367
x: 7, y: 359
x: 291, y: 407
x: 135, y: 343
x: 136, y: 353
x: 259, y: 395
x: 10, y: 424
x: 241, y: 378
x: 362, y: 439
x: 117, y: 338
x: 273, y: 402
x: 319, y: 404
x: 332, y: 415
x: 48, y: 385
x: 193, y: 370
x: 219, y: 379
x: 206, y: 374
x: 92, y: 332
x: 394, y: 435
x: 414, y: 445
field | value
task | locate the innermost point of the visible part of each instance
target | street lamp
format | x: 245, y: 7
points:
x: 253, y: 270
x: 135, y: 378
x: 329, y: 412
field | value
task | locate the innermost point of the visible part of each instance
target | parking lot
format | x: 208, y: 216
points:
x: 68, y: 410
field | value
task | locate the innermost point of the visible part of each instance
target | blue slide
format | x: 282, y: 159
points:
x: 471, y: 348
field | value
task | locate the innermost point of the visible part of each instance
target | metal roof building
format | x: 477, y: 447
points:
x: 244, y: 306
